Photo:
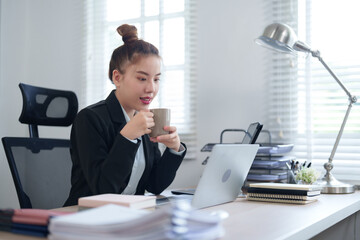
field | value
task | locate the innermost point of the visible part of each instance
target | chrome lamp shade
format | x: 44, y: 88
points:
x: 280, y: 37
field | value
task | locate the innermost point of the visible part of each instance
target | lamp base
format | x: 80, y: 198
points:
x: 334, y: 186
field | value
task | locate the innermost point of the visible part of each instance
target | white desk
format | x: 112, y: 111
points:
x: 262, y: 220
x: 336, y: 214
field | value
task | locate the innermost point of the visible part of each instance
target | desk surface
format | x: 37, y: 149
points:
x: 262, y: 220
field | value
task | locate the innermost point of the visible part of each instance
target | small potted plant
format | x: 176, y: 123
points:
x: 307, y: 175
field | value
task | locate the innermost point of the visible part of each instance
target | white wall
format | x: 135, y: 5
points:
x: 40, y: 45
x: 41, y: 41
x: 230, y: 69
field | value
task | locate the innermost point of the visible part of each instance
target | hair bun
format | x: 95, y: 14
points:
x: 128, y: 33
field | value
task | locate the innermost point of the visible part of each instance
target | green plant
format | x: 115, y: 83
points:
x: 307, y: 175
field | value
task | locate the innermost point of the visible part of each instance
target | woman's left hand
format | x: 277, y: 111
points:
x: 170, y: 140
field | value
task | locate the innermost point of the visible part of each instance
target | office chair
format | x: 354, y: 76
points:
x: 41, y: 167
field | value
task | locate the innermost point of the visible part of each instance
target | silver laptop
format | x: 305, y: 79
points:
x: 224, y: 174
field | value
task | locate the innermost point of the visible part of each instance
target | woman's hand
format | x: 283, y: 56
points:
x: 138, y: 125
x: 170, y: 140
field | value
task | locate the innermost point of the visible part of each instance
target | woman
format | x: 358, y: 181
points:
x: 110, y: 147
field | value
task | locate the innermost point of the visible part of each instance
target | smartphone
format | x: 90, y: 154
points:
x: 252, y: 133
x: 208, y: 147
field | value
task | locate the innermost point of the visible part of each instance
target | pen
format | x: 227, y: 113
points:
x: 309, y: 165
x: 292, y: 164
x: 304, y: 164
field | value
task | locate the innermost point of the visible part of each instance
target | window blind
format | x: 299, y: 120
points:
x: 306, y: 106
x: 171, y: 27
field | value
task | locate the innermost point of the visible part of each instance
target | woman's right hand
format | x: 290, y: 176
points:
x: 139, y: 125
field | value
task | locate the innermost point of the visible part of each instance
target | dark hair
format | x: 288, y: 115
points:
x: 130, y: 51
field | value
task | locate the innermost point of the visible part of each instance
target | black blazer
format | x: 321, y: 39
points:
x: 103, y: 159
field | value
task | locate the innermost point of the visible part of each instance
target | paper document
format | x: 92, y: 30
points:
x: 117, y: 222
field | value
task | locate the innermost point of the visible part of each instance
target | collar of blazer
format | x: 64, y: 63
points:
x: 114, y: 108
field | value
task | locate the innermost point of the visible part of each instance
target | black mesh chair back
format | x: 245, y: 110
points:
x: 48, y: 107
x: 41, y: 167
x: 41, y: 170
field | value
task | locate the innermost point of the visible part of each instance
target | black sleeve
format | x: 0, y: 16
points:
x: 106, y: 161
x: 164, y: 170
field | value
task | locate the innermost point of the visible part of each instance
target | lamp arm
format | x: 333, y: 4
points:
x: 317, y: 55
x: 340, y: 133
x: 352, y: 100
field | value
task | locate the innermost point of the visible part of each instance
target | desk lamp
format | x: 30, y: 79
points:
x: 282, y: 38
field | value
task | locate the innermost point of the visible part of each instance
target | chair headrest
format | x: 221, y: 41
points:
x: 49, y: 107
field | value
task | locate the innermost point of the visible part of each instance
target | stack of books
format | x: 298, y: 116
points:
x: 283, y: 192
x: 177, y: 221
x: 33, y: 222
x: 131, y: 201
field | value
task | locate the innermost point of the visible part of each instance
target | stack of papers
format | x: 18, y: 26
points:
x: 273, y: 162
x: 33, y: 222
x: 267, y: 148
x: 118, y: 222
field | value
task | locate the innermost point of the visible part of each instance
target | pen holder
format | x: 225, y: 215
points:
x: 291, y: 176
